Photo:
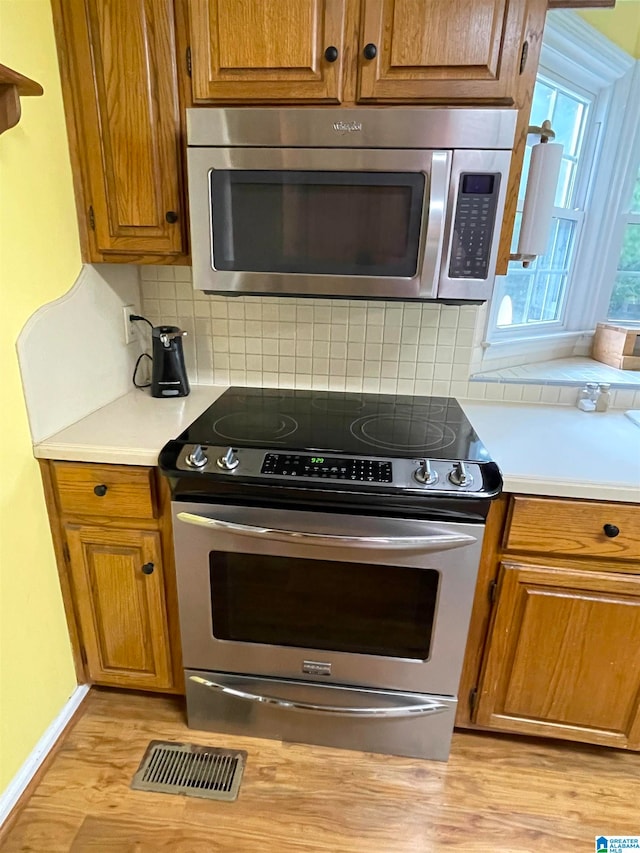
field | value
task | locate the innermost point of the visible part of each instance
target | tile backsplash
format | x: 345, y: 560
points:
x: 340, y: 345
x: 388, y: 347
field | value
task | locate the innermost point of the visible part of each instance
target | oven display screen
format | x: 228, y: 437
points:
x: 326, y: 605
x: 330, y: 467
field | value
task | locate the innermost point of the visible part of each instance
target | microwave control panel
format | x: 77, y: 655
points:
x: 473, y: 225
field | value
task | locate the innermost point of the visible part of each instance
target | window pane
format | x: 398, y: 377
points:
x: 550, y: 297
x: 536, y: 295
x: 567, y: 122
x: 630, y: 255
x: 635, y: 201
x: 542, y: 105
x: 513, y: 294
x: 625, y: 298
x: 560, y: 244
x: 565, y: 182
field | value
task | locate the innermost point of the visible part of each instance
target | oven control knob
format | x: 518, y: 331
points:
x: 197, y: 458
x: 229, y: 461
x: 460, y: 476
x: 424, y: 473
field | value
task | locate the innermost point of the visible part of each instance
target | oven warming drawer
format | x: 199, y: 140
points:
x: 412, y: 724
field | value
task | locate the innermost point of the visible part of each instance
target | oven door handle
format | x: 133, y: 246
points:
x: 408, y: 708
x: 436, y: 541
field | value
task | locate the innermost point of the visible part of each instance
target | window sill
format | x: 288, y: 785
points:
x: 563, y: 371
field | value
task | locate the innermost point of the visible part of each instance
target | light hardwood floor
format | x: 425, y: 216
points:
x: 496, y: 793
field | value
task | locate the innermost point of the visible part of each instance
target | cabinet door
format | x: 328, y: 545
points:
x: 440, y: 50
x: 563, y: 656
x: 266, y: 50
x: 120, y: 59
x: 119, y: 593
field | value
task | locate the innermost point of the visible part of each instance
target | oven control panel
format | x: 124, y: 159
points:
x: 268, y: 466
x: 329, y: 467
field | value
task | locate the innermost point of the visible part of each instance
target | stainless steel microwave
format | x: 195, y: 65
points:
x: 371, y: 203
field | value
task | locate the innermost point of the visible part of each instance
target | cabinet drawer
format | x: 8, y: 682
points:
x: 545, y: 526
x: 115, y: 491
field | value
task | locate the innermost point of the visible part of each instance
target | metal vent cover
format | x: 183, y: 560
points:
x: 186, y: 768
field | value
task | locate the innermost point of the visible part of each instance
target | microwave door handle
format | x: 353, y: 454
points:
x: 409, y: 709
x: 435, y: 541
x: 433, y: 241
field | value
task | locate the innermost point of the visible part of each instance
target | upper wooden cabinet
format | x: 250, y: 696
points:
x: 118, y: 63
x: 395, y: 51
x: 427, y: 50
x: 267, y: 50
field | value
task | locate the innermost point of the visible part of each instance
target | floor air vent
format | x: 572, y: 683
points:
x: 185, y: 768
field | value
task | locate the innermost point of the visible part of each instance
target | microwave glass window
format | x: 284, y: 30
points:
x: 322, y: 223
x: 324, y: 605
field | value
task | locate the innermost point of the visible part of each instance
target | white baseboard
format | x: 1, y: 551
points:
x: 16, y: 787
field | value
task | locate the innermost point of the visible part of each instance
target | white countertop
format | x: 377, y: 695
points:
x: 541, y: 450
x: 561, y: 451
x: 129, y: 431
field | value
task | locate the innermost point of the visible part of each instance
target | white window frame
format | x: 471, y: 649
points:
x: 577, y: 56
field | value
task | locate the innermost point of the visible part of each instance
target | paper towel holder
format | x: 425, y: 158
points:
x: 545, y: 133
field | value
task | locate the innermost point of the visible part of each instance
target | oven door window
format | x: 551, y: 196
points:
x: 317, y: 223
x: 316, y: 604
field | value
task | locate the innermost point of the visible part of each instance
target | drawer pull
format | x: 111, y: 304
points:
x: 148, y: 568
x: 100, y: 490
x: 611, y: 530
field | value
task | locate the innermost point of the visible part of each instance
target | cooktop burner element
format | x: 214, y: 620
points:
x: 300, y: 447
x: 401, y: 432
x: 249, y: 426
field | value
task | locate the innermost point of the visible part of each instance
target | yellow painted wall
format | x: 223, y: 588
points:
x: 39, y: 261
x: 620, y: 24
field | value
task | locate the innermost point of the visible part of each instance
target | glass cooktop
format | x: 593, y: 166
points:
x: 338, y: 422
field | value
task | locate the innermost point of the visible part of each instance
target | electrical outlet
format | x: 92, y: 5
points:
x: 130, y: 329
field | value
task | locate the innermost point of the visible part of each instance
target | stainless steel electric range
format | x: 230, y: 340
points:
x: 327, y: 546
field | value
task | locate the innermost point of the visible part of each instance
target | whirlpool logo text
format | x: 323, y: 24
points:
x: 347, y: 126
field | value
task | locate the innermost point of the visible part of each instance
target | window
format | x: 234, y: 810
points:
x: 536, y: 295
x: 588, y: 89
x: 625, y: 297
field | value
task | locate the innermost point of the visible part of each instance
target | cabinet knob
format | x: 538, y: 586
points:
x: 611, y: 530
x: 370, y: 51
x: 148, y: 568
x: 100, y: 490
x: 331, y: 54
x: 171, y: 216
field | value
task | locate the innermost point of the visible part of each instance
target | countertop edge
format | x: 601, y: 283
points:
x: 571, y: 489
x: 95, y: 454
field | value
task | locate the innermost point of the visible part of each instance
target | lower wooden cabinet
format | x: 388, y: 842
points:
x: 111, y: 527
x: 554, y: 640
x: 119, y: 589
x: 563, y: 656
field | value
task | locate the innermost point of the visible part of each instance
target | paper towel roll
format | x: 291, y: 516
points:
x: 540, y: 197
